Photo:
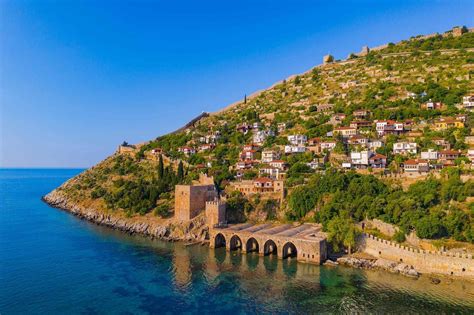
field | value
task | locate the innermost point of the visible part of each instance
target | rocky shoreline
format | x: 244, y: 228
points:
x: 379, y: 264
x: 195, y: 230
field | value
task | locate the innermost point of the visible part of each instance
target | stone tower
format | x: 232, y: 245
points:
x: 458, y: 31
x: 328, y: 59
x: 365, y: 51
x: 215, y: 213
x: 190, y: 200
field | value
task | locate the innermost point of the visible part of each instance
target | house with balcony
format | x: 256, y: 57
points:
x: 345, y: 132
x: 416, y: 166
x: 328, y: 145
x: 378, y: 161
x: 468, y: 102
x: 290, y: 149
x: 430, y: 105
x: 404, y: 148
x: 361, y: 113
x: 270, y: 155
x: 430, y: 155
x: 187, y: 150
x: 447, y: 157
x: 297, y: 139
x: 448, y: 123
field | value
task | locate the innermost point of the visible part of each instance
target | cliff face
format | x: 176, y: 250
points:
x: 165, y: 229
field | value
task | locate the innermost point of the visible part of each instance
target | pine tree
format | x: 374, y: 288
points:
x: 161, y: 167
x: 180, y: 171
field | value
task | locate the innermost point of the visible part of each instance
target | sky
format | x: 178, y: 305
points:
x: 77, y: 78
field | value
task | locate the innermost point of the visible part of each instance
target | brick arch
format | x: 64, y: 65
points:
x: 270, y: 247
x: 289, y: 250
x: 252, y: 245
x: 219, y: 240
x: 235, y: 243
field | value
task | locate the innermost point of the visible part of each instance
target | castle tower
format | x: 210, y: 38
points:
x: 458, y: 31
x: 215, y: 213
x: 190, y: 200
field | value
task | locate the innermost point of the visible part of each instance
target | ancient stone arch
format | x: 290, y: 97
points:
x: 289, y: 250
x: 270, y: 247
x: 235, y: 243
x: 252, y: 245
x: 219, y: 240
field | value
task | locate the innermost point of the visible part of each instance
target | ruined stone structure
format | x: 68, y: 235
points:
x: 190, y: 200
x: 364, y: 52
x: 424, y: 261
x: 328, y: 59
x: 306, y: 242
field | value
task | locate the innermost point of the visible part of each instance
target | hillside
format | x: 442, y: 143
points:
x: 332, y: 135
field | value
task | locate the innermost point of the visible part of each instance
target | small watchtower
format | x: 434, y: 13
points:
x: 215, y: 213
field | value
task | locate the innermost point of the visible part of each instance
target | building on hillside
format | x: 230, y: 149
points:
x: 430, y: 105
x: 271, y: 172
x: 328, y: 145
x: 378, y: 161
x: 389, y: 127
x: 206, y: 147
x: 297, y: 139
x: 324, y: 108
x: 280, y: 164
x: 244, y: 165
x: 468, y: 102
x: 447, y: 157
x: 317, y: 163
x: 187, y: 150
x: 374, y: 144
x: 404, y: 148
x: 442, y: 143
x: 469, y: 139
x: 358, y: 140
x: 358, y: 124
x: 470, y: 155
x: 264, y: 186
x: 361, y: 114
x: 259, y: 136
x: 270, y: 155
x: 289, y: 149
x: 430, y: 155
x: 281, y: 127
x: 416, y: 166
x: 345, y: 132
x: 248, y: 155
x: 337, y: 119
x: 249, y: 147
x: 448, y: 123
x: 360, y: 159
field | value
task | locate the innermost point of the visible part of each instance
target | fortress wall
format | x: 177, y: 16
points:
x: 424, y: 261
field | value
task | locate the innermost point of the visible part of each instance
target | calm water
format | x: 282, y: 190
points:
x: 52, y: 262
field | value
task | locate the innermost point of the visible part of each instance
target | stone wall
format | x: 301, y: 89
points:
x: 190, y: 201
x: 422, y: 260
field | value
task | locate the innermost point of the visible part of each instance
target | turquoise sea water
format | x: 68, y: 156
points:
x: 54, y: 263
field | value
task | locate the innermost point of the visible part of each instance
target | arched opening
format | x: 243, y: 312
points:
x: 252, y: 245
x: 219, y: 241
x: 289, y: 250
x: 269, y: 248
x: 235, y: 243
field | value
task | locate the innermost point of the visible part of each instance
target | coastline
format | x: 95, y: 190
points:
x: 167, y: 230
x: 197, y: 230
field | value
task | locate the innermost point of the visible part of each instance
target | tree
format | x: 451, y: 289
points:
x: 341, y: 231
x: 161, y: 167
x: 180, y: 171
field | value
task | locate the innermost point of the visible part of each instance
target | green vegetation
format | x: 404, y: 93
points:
x: 429, y: 206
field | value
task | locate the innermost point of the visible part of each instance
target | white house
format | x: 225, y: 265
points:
x: 278, y: 164
x: 294, y: 149
x: 269, y: 155
x: 327, y: 145
x: 374, y: 144
x: 470, y: 155
x: 404, y: 148
x: 297, y: 139
x: 468, y: 102
x: 361, y: 159
x: 430, y: 155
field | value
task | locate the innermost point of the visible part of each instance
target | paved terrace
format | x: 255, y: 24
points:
x: 305, y: 242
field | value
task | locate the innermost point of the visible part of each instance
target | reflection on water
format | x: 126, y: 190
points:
x: 274, y: 285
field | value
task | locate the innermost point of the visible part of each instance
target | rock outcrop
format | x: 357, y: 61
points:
x: 382, y: 264
x: 169, y: 230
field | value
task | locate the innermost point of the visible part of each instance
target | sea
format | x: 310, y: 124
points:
x: 52, y: 262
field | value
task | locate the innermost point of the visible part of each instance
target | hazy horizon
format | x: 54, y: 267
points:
x: 77, y: 79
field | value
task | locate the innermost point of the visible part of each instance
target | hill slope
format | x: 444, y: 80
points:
x: 133, y: 183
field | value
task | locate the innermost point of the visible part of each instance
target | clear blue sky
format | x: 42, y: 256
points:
x: 80, y: 77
